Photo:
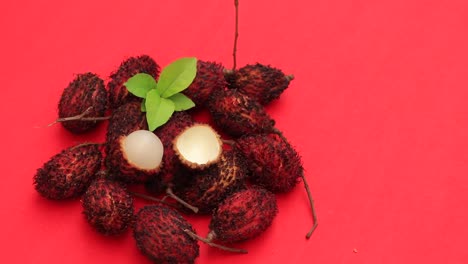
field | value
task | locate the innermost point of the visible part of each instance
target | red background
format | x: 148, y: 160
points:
x: 377, y: 110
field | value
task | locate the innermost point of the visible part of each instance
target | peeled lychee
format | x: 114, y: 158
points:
x: 118, y: 93
x: 108, y: 206
x: 243, y: 215
x: 274, y: 163
x: 135, y: 157
x: 209, y: 78
x: 86, y: 95
x: 69, y: 173
x: 237, y: 114
x: 160, y: 236
x: 261, y: 82
x: 205, y: 189
x: 198, y: 146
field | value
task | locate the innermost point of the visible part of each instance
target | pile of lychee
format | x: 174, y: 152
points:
x: 185, y: 165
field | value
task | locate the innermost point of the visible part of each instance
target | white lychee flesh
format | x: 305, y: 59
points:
x: 198, y: 145
x: 143, y: 149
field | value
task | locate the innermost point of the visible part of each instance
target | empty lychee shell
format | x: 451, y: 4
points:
x: 198, y: 146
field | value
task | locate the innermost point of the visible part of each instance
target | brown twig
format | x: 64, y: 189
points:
x: 236, y: 35
x: 80, y: 117
x: 184, y: 203
x: 150, y: 198
x: 211, y: 244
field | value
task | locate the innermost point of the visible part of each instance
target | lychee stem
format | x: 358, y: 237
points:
x: 80, y: 117
x: 307, y: 188
x: 87, y: 144
x: 211, y: 244
x: 150, y: 198
x: 236, y: 35
x: 184, y: 203
x: 289, y: 77
x: 230, y: 142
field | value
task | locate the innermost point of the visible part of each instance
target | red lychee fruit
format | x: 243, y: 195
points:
x: 108, y: 206
x: 69, y: 173
x: 274, y: 163
x: 136, y: 157
x: 243, y: 215
x: 118, y: 93
x: 86, y: 95
x: 159, y: 234
x: 126, y: 119
x: 237, y: 114
x: 205, y: 189
x: 209, y: 78
x: 261, y: 82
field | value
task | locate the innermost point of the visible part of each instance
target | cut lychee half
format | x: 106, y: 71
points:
x: 198, y: 146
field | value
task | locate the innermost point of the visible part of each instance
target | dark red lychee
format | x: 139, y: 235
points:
x: 209, y: 78
x: 274, y: 163
x: 69, y: 173
x: 237, y: 114
x: 243, y: 215
x: 261, y: 82
x: 108, y: 206
x: 159, y: 234
x: 126, y: 119
x: 86, y: 95
x: 205, y: 189
x: 118, y: 93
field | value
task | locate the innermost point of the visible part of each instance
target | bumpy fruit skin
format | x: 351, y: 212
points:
x: 209, y: 78
x: 69, y: 173
x: 274, y: 163
x: 108, y: 207
x: 166, y: 133
x: 118, y: 93
x: 243, y: 215
x: 85, y: 93
x: 121, y: 169
x: 237, y: 114
x: 125, y: 120
x: 205, y: 189
x: 159, y: 235
x: 261, y: 82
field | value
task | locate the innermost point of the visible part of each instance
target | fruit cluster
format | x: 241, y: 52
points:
x: 184, y: 161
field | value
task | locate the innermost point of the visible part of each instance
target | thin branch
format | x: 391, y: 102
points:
x: 80, y: 117
x: 236, y: 35
x: 184, y: 203
x: 211, y: 244
x: 150, y: 198
x: 312, y: 206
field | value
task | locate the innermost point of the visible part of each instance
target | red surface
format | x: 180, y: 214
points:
x: 378, y: 111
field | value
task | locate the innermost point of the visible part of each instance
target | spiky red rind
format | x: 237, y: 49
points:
x: 68, y: 173
x: 118, y: 93
x: 85, y: 92
x: 207, y: 188
x: 125, y: 120
x: 108, y: 207
x: 261, y: 82
x: 274, y: 163
x: 209, y: 78
x: 121, y: 168
x: 159, y: 235
x: 237, y: 114
x: 244, y: 215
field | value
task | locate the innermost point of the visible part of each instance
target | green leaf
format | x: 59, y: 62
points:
x: 143, y: 105
x: 158, y: 110
x: 177, y: 76
x: 139, y: 84
x: 181, y: 102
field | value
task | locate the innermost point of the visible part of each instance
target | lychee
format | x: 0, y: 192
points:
x: 160, y: 236
x: 237, y: 114
x: 243, y: 215
x: 274, y: 163
x: 118, y: 93
x: 86, y: 96
x: 261, y: 82
x: 135, y: 157
x: 108, y: 206
x: 68, y: 173
x: 209, y: 78
x: 205, y: 189
x: 126, y: 119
